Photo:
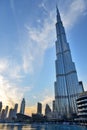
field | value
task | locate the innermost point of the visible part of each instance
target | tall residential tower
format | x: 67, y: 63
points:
x: 67, y: 86
x: 39, y: 108
x: 22, y: 109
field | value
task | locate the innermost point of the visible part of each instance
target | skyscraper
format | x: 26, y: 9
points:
x: 3, y: 114
x: 15, y: 110
x: 0, y: 106
x: 39, y: 108
x: 10, y: 116
x: 22, y: 109
x: 47, y: 110
x: 54, y: 107
x: 67, y: 86
x: 6, y: 111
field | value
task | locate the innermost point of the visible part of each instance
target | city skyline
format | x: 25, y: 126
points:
x: 27, y: 36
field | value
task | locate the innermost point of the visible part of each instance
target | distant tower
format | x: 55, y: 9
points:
x: 39, y: 108
x: 6, y: 111
x: 11, y: 112
x: 81, y: 85
x: 3, y: 114
x: 15, y: 110
x: 0, y: 106
x: 16, y: 107
x: 54, y: 107
x: 22, y: 109
x: 47, y: 110
x: 67, y: 86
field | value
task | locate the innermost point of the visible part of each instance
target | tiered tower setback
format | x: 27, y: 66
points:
x: 67, y: 85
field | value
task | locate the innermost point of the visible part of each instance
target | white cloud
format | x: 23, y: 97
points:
x: 12, y: 5
x: 39, y: 40
x: 14, y: 70
x: 9, y: 93
x: 3, y: 65
x: 10, y: 68
x: 72, y: 14
x: 43, y: 6
x: 8, y: 90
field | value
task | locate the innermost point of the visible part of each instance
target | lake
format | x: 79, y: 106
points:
x: 11, y: 126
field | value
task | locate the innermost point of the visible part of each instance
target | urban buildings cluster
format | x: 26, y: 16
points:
x: 11, y: 114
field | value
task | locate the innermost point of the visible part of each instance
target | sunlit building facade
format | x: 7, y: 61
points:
x: 67, y: 86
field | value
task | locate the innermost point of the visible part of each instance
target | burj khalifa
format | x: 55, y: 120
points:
x: 67, y: 86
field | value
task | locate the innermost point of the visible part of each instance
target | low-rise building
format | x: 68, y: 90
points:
x: 82, y: 107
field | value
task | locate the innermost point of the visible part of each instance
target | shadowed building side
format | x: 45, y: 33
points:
x: 39, y: 108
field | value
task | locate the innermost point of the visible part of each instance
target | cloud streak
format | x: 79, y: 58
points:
x: 9, y: 92
x: 39, y: 41
x: 73, y: 13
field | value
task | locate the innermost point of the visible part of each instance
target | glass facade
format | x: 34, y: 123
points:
x: 67, y: 86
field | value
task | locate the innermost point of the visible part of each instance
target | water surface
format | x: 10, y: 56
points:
x: 12, y: 126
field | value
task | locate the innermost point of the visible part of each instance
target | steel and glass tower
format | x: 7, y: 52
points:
x: 22, y: 109
x: 39, y: 108
x: 67, y: 85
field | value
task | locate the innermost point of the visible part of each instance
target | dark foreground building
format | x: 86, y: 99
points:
x: 23, y: 118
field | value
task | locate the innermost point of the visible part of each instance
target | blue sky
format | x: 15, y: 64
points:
x: 27, y: 48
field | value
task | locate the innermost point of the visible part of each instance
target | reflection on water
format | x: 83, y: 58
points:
x: 11, y: 126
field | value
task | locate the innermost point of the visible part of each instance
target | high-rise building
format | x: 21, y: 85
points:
x: 0, y: 106
x: 15, y: 110
x: 47, y: 110
x: 39, y: 108
x: 11, y: 111
x: 3, y: 114
x: 67, y: 86
x: 81, y: 85
x: 82, y: 107
x: 54, y: 107
x: 6, y: 111
x: 22, y: 109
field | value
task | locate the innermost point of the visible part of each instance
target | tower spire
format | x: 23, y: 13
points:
x: 58, y: 13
